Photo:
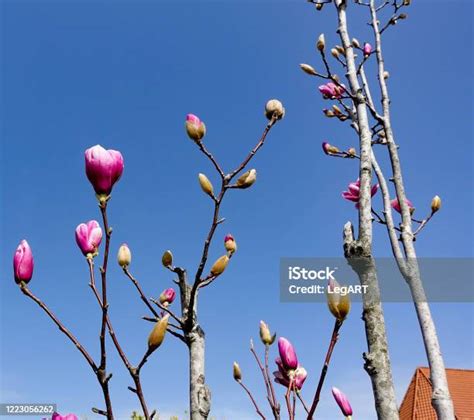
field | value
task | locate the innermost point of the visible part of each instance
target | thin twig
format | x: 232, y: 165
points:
x: 327, y: 360
x: 252, y: 399
x: 27, y: 292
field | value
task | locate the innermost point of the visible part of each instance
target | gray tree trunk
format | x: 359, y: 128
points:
x: 199, y: 393
x: 377, y: 360
x: 440, y: 397
x: 359, y: 252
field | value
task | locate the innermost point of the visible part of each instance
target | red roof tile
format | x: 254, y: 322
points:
x: 416, y: 404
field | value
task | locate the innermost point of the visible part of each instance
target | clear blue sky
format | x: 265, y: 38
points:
x: 124, y: 74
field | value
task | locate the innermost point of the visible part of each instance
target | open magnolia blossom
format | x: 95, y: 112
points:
x: 289, y: 371
x: 285, y: 378
x: 353, y: 192
x: 396, y: 205
x: 332, y: 91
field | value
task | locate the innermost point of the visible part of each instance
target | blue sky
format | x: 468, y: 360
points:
x: 124, y: 74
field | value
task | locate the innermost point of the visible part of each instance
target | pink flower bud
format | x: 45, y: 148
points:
x: 230, y: 244
x: 342, y: 402
x: 353, y: 192
x: 329, y: 149
x: 88, y: 237
x: 195, y: 127
x: 332, y: 91
x: 367, y: 48
x: 287, y: 354
x: 23, y: 263
x: 57, y: 416
x: 396, y: 205
x: 103, y: 168
x: 167, y: 296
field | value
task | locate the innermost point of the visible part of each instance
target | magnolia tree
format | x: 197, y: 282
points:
x: 103, y: 169
x: 367, y: 109
x: 290, y: 373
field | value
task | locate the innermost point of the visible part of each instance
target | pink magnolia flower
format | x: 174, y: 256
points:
x: 88, y: 237
x: 342, y: 402
x: 367, y: 48
x: 283, y: 378
x: 57, y: 416
x: 353, y: 192
x: 396, y: 205
x: 287, y: 354
x: 332, y: 91
x: 23, y: 262
x: 103, y: 168
x: 167, y: 296
x: 195, y: 128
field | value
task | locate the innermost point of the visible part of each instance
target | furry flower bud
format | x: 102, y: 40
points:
x: 124, y: 256
x: 265, y: 334
x: 329, y: 149
x: 230, y: 244
x: 247, y: 179
x: 334, y: 52
x: 167, y: 259
x: 219, y: 266
x: 435, y: 204
x: 206, y: 185
x: 274, y: 108
x: 355, y: 43
x: 321, y: 43
x: 157, y: 334
x: 195, y: 128
x: 339, y: 304
x: 237, y: 373
x: 167, y: 296
x: 308, y: 69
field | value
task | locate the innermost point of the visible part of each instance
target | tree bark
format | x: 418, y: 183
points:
x: 440, y: 398
x: 359, y: 252
x: 377, y: 360
x: 199, y: 393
